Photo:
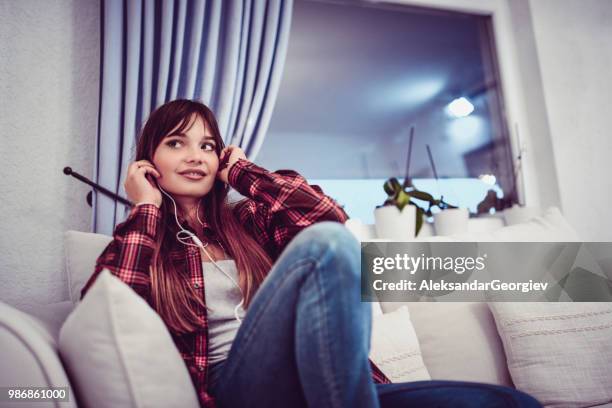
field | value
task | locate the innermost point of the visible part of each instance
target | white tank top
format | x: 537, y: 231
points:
x: 222, y: 296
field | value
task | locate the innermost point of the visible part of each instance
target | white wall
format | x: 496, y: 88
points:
x: 574, y: 44
x: 49, y: 79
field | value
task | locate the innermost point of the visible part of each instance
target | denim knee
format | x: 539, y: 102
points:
x: 330, y: 241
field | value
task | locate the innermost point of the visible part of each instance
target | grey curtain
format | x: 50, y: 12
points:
x: 228, y: 54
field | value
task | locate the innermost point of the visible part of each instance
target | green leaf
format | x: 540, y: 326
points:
x: 392, y: 186
x: 402, y: 200
x: 421, y: 195
x: 419, y: 220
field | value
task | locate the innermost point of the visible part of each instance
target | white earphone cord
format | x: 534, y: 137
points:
x: 202, y: 247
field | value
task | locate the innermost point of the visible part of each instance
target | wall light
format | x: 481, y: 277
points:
x: 488, y: 179
x: 459, y: 108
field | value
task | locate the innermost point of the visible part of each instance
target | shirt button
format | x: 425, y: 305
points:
x: 200, y: 368
x: 196, y: 285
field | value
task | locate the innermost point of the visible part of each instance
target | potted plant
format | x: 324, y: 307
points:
x: 400, y: 198
x: 400, y: 217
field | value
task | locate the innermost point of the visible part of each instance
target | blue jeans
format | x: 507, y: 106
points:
x: 305, y: 340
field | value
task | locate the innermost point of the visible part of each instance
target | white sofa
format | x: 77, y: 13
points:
x: 29, y: 351
x: 451, y: 341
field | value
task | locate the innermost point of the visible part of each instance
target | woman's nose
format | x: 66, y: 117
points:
x: 194, y: 154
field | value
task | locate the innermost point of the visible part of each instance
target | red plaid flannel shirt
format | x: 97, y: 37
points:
x: 278, y: 206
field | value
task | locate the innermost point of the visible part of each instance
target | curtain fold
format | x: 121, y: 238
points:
x: 228, y: 54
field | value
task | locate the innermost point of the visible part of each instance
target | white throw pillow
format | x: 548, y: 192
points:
x: 376, y: 309
x: 551, y: 262
x: 561, y: 353
x: 82, y: 250
x: 118, y: 352
x: 458, y: 341
x: 395, y: 347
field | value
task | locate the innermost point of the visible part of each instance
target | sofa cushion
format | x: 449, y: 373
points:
x: 118, y: 352
x: 458, y: 341
x: 29, y: 353
x: 551, y: 226
x: 561, y: 353
x: 82, y: 249
x: 395, y: 347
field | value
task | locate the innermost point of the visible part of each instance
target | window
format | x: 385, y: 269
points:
x: 358, y: 76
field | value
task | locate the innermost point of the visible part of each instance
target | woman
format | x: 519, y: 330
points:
x: 263, y: 306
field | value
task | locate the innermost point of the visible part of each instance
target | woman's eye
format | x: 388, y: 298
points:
x: 177, y: 143
x: 173, y: 143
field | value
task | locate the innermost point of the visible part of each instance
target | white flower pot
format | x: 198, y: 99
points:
x: 451, y: 221
x: 391, y: 223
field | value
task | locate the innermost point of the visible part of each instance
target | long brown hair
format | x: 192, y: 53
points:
x: 172, y: 296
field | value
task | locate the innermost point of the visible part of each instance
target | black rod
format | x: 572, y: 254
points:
x: 407, y: 177
x: 431, y: 161
x: 68, y: 171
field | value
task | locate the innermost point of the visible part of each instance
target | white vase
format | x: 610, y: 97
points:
x: 427, y: 229
x: 451, y: 221
x: 393, y: 224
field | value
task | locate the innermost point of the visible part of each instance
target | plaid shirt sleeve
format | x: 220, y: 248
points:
x: 279, y: 204
x: 129, y: 254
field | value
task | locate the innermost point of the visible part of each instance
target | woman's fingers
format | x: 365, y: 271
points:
x: 229, y: 151
x: 140, y: 183
x: 143, y: 164
x: 149, y: 169
x: 132, y: 168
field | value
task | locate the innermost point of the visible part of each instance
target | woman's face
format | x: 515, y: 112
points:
x: 187, y: 162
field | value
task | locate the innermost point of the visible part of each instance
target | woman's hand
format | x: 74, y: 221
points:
x: 140, y: 185
x: 229, y: 156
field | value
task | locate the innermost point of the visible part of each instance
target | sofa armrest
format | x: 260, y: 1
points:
x: 29, y: 354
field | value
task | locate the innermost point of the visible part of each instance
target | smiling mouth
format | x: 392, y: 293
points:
x: 192, y: 176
